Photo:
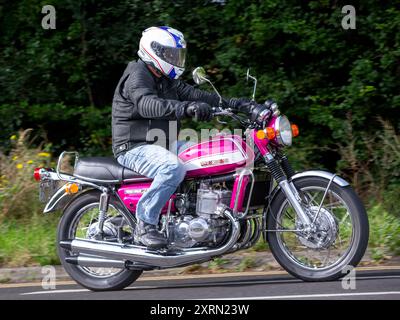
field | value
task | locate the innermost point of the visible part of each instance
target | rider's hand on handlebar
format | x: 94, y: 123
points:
x: 243, y: 105
x: 201, y: 111
x: 258, y: 113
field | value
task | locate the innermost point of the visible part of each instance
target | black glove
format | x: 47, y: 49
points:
x: 200, y: 110
x: 243, y: 105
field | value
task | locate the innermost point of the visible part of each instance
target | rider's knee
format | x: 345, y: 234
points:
x: 178, y: 170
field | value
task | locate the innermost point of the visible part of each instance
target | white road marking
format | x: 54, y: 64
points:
x: 149, y: 277
x: 310, y: 296
x: 194, y: 285
x: 77, y: 290
x: 54, y: 291
x: 188, y: 285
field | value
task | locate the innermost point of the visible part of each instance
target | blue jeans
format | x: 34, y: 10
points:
x: 166, y: 170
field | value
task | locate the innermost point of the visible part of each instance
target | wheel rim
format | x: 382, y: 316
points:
x: 298, y: 250
x: 80, y: 227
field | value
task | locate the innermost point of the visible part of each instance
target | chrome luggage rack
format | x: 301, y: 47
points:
x: 61, y: 176
x: 60, y: 159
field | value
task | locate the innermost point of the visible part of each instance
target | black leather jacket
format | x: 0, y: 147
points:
x: 143, y: 102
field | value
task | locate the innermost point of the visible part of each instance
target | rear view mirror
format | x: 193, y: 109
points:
x: 199, y: 75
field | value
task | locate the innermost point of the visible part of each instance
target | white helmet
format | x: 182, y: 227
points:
x: 165, y: 49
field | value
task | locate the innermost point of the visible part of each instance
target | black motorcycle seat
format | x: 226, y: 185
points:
x: 104, y: 170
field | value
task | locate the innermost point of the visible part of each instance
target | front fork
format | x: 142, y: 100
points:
x: 287, y: 186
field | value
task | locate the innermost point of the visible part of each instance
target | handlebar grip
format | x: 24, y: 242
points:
x: 215, y: 111
x: 191, y: 110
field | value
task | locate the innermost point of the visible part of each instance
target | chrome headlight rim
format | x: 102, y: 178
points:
x: 282, y: 131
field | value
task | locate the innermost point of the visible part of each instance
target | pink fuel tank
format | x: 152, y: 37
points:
x: 221, y: 154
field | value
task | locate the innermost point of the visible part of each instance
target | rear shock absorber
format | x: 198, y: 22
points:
x: 103, y: 208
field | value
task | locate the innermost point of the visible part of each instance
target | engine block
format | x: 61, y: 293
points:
x: 209, y: 199
x: 205, y: 226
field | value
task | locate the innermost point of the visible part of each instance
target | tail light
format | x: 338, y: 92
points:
x: 40, y: 173
x: 36, y: 174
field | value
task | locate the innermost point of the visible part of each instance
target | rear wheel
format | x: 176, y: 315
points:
x: 80, y: 221
x: 339, y: 239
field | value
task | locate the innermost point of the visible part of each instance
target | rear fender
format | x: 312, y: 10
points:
x: 61, y: 199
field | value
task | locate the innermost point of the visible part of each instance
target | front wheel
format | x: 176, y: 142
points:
x: 338, y: 239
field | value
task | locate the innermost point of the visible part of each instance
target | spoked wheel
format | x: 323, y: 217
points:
x: 339, y: 237
x: 80, y: 221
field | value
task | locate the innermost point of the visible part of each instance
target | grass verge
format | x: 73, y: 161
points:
x: 28, y: 241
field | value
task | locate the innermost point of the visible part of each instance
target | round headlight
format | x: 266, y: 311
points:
x: 283, y: 131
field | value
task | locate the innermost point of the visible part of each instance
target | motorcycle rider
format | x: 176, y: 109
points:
x: 147, y: 98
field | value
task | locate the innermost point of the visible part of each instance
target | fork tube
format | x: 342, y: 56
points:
x: 286, y: 166
x: 288, y: 189
x: 294, y: 201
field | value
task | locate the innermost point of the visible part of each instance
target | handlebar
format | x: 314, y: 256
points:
x: 218, y: 111
x: 227, y: 112
x: 215, y: 111
x: 191, y: 110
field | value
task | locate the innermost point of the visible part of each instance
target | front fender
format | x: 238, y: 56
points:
x: 60, y: 200
x: 312, y: 173
x: 321, y: 174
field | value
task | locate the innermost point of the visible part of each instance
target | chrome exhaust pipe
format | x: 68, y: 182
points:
x: 154, y: 258
x: 87, y: 261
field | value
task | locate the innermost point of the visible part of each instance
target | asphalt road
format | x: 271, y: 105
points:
x: 370, y: 284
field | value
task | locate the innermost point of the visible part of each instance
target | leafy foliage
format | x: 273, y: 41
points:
x: 61, y: 82
x: 18, y: 190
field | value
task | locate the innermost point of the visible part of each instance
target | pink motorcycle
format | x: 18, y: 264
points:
x: 236, y: 190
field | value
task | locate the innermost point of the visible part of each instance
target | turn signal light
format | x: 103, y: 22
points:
x: 271, y: 134
x: 260, y: 134
x: 295, y: 130
x: 71, y: 188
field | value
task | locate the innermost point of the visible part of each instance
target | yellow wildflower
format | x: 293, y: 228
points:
x: 13, y: 137
x: 14, y: 158
x: 29, y: 162
x: 44, y: 154
x: 19, y: 166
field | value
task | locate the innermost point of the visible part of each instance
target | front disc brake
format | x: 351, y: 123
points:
x: 325, y: 232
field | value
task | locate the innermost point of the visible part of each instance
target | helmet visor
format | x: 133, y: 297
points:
x: 174, y: 56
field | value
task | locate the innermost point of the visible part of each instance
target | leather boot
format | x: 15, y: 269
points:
x: 149, y: 236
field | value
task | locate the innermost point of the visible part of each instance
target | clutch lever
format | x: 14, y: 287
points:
x: 221, y: 122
